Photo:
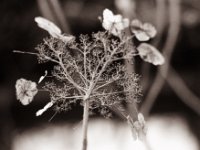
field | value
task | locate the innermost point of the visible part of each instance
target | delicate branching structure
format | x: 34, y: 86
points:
x: 90, y: 70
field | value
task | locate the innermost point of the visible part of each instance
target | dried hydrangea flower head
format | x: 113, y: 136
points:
x: 95, y: 69
x: 142, y: 31
x: 150, y: 54
x: 91, y: 70
x: 25, y: 90
x: 53, y: 30
x: 115, y: 24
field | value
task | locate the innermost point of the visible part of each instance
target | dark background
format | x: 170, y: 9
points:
x: 19, y: 31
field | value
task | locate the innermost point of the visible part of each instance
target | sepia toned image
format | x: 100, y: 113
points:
x: 100, y: 75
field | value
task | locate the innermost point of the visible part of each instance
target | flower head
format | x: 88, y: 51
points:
x: 25, y: 91
x: 114, y: 23
x: 150, y: 54
x: 53, y: 30
x: 143, y: 32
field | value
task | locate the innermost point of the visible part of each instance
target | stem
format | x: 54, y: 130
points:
x: 183, y: 92
x: 22, y: 52
x: 86, y: 116
x: 85, y: 124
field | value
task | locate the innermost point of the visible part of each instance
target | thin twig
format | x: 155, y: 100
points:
x: 111, y: 93
x: 105, y: 84
x: 108, y: 61
x: 22, y: 52
x: 68, y: 77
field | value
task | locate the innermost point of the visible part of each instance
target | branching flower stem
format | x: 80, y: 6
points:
x: 85, y: 123
x: 79, y: 88
x: 109, y: 59
x: 90, y: 90
x: 87, y: 77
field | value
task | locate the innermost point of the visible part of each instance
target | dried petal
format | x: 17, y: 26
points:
x: 53, y: 30
x: 67, y: 38
x: 143, y: 32
x: 108, y: 15
x: 133, y: 130
x: 114, y: 23
x: 25, y: 91
x: 141, y: 118
x: 143, y: 129
x: 138, y: 127
x: 48, y: 26
x: 150, y: 54
x: 150, y: 30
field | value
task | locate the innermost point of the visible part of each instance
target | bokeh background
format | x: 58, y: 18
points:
x: 18, y: 31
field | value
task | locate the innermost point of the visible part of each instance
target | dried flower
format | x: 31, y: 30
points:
x: 53, y: 30
x: 25, y: 91
x: 95, y: 66
x: 143, y: 32
x: 114, y: 23
x: 150, y: 54
x: 138, y: 127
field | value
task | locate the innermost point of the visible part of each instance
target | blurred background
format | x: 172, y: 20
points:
x: 168, y: 91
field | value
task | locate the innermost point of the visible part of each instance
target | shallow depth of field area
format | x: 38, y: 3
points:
x: 100, y: 75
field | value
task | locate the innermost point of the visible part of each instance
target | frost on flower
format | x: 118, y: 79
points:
x: 114, y: 23
x: 143, y: 32
x: 150, y: 54
x: 138, y: 127
x: 25, y: 90
x: 53, y: 30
